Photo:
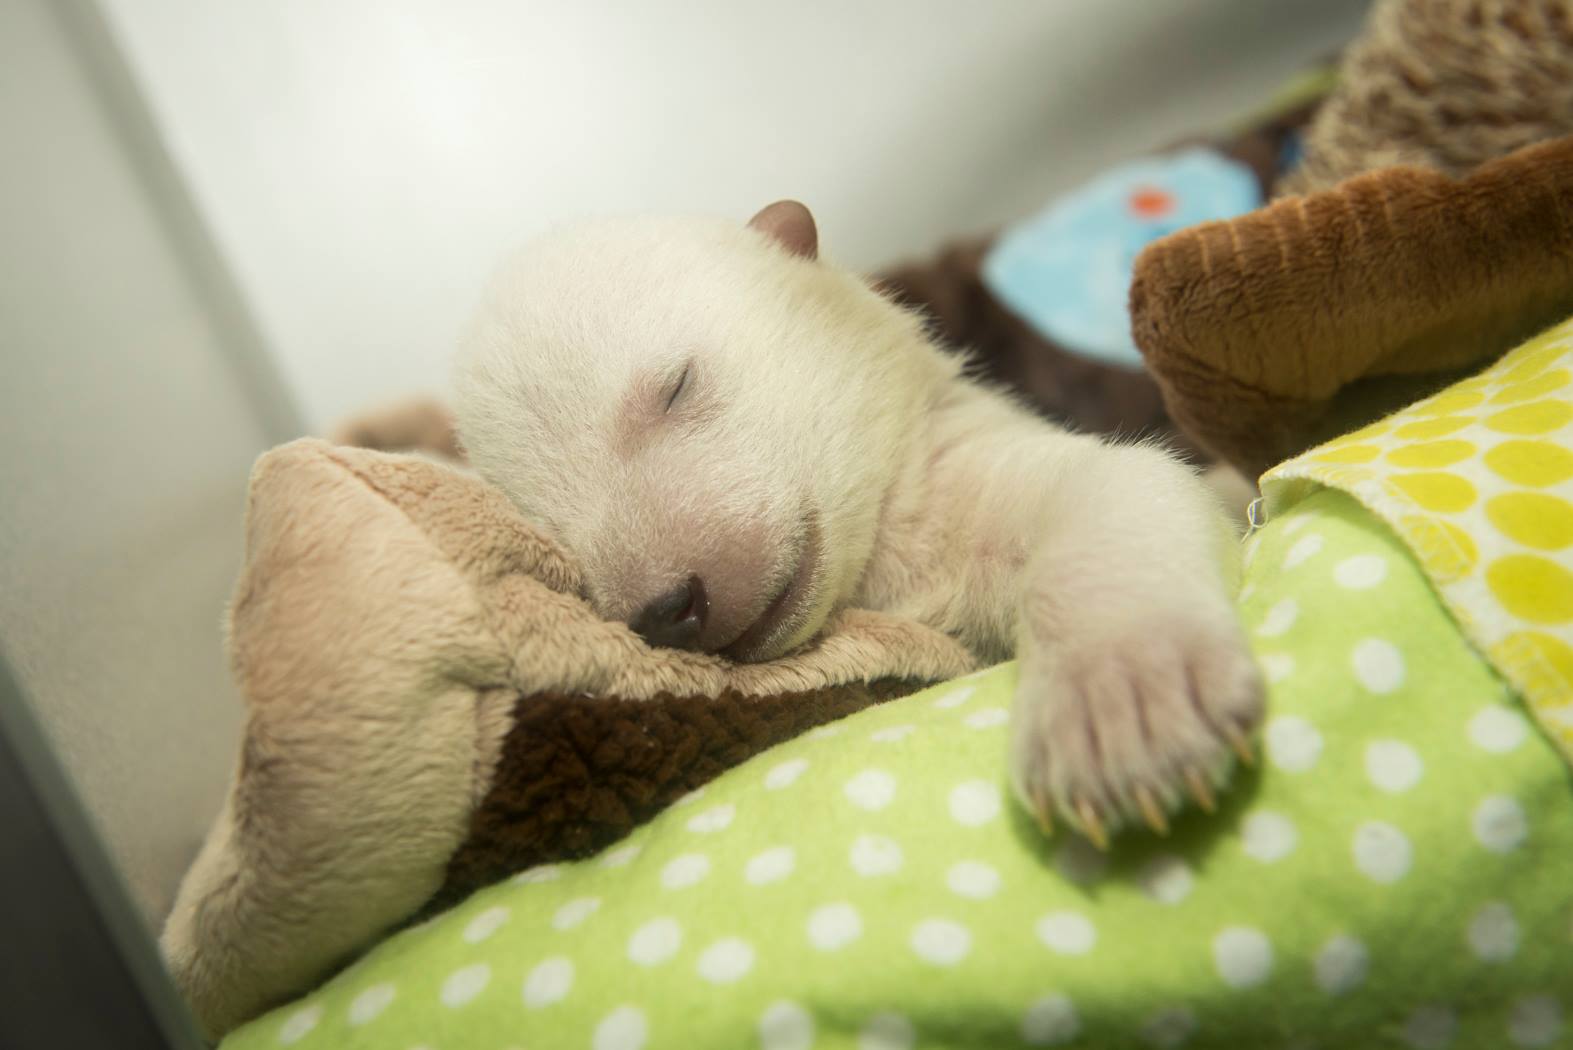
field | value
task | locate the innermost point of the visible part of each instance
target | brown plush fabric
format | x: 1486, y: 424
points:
x: 1443, y: 84
x: 1274, y: 331
x: 578, y: 773
x: 431, y: 703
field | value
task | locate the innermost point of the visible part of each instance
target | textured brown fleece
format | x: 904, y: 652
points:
x: 1443, y: 84
x: 578, y: 773
x: 1315, y: 315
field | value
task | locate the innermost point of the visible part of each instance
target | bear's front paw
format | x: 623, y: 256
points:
x: 1117, y: 726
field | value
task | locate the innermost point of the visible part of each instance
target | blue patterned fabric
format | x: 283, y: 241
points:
x: 1067, y: 270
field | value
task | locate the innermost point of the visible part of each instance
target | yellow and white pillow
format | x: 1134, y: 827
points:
x: 1478, y: 481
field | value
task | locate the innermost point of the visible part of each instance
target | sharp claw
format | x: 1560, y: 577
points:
x: 1241, y: 745
x: 1151, y: 811
x: 1091, y: 826
x: 1201, y: 790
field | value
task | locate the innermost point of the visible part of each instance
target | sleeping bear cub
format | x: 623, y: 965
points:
x: 736, y: 438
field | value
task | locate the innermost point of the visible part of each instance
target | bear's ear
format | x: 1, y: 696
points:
x: 790, y: 225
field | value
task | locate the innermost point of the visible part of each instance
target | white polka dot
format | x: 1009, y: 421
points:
x: 1243, y: 956
x: 1295, y: 524
x: 1268, y: 836
x: 1536, y: 1021
x: 887, y: 1031
x: 625, y: 1028
x: 1430, y: 1028
x: 941, y: 941
x: 1166, y: 879
x: 974, y: 802
x: 464, y: 984
x: 1050, y: 1021
x: 1169, y: 1028
x: 685, y: 870
x: 786, y: 774
x: 1279, y: 618
x: 772, y: 865
x: 872, y: 789
x: 1293, y: 744
x: 1378, y: 665
x: 726, y: 961
x: 620, y: 857
x: 1392, y: 765
x: 1361, y: 572
x: 1341, y: 964
x: 485, y: 924
x: 1493, y: 933
x: 891, y: 734
x: 716, y: 818
x: 575, y: 912
x: 548, y: 982
x: 1304, y: 548
x: 544, y: 873
x: 1276, y: 666
x: 690, y: 798
x: 834, y: 926
x: 1498, y: 729
x: 785, y: 1026
x: 974, y: 879
x: 655, y: 942
x: 825, y: 732
x: 987, y: 718
x: 1067, y: 932
x: 874, y: 855
x: 955, y: 698
x: 373, y: 1001
x: 299, y: 1024
x: 1080, y: 861
x: 1381, y: 851
x: 1499, y: 824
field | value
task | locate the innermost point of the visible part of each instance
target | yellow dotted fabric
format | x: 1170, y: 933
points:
x: 1478, y: 480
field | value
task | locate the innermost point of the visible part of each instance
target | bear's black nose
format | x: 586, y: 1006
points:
x: 674, y: 620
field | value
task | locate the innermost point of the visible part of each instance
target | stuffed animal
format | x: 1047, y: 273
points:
x: 1443, y: 84
x: 1041, y: 305
x: 1279, y: 329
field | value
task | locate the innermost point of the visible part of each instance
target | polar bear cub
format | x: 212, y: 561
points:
x: 735, y: 438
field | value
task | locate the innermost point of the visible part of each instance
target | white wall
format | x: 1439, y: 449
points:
x: 127, y: 428
x: 365, y: 162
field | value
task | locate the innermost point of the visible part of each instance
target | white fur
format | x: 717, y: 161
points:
x: 1104, y: 567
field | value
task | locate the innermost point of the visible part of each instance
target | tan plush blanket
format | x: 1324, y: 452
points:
x: 432, y: 705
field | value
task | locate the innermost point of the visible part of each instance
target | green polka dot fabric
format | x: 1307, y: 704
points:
x: 1395, y: 875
